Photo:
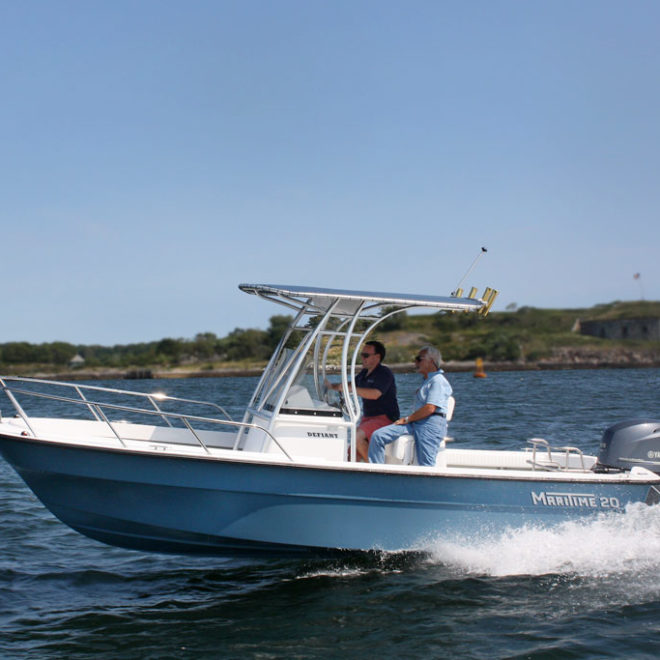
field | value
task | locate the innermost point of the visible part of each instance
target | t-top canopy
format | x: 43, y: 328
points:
x: 318, y: 300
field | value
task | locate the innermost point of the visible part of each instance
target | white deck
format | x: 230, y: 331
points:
x: 159, y: 440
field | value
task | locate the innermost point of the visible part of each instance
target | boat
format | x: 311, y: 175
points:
x: 150, y: 472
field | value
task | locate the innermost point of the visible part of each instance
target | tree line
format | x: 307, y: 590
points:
x: 459, y: 336
x: 240, y: 344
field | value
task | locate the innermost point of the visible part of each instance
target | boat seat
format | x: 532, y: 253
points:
x: 402, y: 450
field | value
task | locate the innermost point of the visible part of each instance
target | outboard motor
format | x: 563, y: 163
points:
x: 625, y: 445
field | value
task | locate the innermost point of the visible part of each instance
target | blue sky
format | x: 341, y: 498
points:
x: 156, y: 153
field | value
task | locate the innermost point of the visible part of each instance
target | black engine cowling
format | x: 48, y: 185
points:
x: 630, y: 443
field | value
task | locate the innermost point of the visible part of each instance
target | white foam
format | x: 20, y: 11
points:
x: 609, y: 545
x: 337, y: 572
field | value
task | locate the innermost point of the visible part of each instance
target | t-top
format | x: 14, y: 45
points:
x: 381, y: 379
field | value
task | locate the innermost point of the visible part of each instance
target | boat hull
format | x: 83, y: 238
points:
x: 162, y: 503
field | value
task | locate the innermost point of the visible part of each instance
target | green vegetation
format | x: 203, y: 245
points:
x: 618, y: 310
x: 530, y: 334
x: 204, y: 351
x: 526, y: 335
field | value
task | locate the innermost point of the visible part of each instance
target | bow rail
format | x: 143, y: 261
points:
x: 99, y: 410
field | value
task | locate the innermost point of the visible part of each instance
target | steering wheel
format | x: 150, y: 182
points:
x: 332, y: 397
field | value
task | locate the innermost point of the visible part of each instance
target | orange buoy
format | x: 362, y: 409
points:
x: 479, y: 369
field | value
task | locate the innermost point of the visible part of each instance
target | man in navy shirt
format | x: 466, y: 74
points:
x: 376, y: 386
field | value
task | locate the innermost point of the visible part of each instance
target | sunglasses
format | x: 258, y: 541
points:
x: 366, y: 355
x: 419, y: 358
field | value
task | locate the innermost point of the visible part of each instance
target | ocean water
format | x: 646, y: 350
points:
x: 582, y: 590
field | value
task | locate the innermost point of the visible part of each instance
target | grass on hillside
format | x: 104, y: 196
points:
x: 528, y: 334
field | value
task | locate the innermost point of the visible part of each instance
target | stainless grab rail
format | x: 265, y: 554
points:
x: 96, y: 408
x: 159, y: 396
x: 550, y: 463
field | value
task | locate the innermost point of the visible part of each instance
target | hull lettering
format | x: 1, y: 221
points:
x: 575, y: 500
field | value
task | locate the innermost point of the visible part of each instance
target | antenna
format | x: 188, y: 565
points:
x: 470, y: 269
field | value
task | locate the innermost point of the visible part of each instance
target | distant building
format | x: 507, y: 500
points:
x: 645, y: 329
x: 77, y: 361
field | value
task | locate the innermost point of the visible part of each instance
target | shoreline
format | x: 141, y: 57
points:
x: 241, y: 372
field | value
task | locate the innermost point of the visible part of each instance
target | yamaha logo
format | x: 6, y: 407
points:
x: 653, y: 454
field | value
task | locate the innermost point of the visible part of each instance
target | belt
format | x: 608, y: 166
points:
x: 441, y: 414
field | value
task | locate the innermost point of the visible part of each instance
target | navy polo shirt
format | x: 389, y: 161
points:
x: 382, y: 379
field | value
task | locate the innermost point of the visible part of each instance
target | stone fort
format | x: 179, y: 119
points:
x: 648, y: 329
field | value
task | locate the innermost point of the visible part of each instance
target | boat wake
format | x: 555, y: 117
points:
x: 611, y: 545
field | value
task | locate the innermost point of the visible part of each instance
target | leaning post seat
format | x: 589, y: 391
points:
x: 402, y: 450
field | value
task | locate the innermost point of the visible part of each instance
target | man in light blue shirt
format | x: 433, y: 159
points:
x: 428, y: 422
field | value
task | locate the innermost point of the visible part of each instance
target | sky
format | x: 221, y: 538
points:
x: 156, y: 153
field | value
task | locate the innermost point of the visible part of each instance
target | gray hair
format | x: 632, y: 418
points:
x: 433, y: 353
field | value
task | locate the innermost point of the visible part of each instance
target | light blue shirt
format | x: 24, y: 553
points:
x: 435, y: 390
x: 428, y: 432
